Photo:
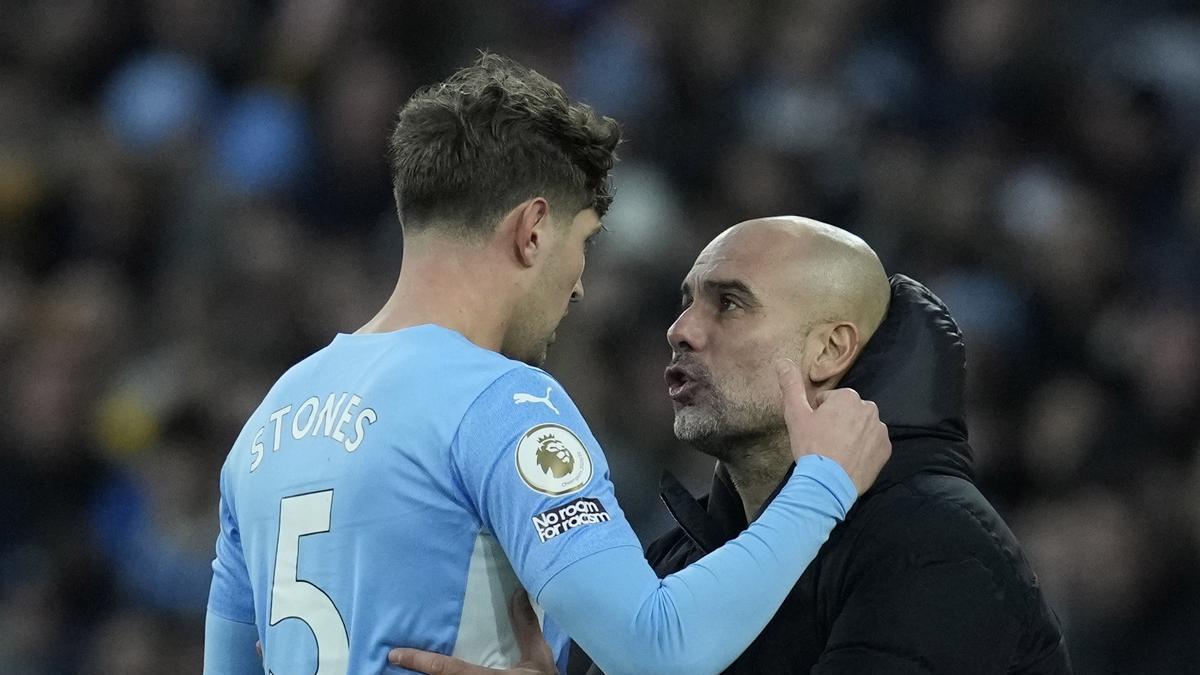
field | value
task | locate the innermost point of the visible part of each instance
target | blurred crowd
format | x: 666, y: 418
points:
x: 194, y: 195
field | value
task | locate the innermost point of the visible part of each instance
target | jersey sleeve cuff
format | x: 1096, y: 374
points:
x: 831, y: 476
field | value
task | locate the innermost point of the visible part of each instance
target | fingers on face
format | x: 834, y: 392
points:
x: 840, y: 396
x: 795, y: 393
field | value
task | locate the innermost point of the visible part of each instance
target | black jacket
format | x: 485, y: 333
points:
x: 923, y: 576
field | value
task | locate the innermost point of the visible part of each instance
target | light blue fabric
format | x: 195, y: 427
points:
x: 229, y: 647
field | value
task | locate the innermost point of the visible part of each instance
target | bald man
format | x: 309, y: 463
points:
x: 765, y: 289
x: 923, y: 576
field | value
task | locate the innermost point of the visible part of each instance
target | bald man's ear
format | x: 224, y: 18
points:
x: 834, y: 347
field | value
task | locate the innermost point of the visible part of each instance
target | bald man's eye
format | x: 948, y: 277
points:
x: 728, y: 303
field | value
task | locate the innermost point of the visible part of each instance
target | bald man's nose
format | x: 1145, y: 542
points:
x: 685, y: 335
x: 577, y: 292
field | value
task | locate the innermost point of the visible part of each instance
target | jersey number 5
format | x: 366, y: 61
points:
x: 293, y: 598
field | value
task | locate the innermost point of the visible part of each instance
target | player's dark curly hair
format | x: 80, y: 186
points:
x: 466, y: 151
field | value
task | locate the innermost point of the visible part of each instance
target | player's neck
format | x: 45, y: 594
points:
x: 756, y: 468
x: 448, y: 285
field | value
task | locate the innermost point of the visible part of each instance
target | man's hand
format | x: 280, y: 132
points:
x: 536, y: 657
x: 842, y: 426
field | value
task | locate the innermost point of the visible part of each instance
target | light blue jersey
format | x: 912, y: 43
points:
x: 378, y: 494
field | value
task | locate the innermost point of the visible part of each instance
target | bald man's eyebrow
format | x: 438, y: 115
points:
x: 738, y: 288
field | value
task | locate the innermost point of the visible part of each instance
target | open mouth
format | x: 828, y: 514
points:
x: 681, y: 384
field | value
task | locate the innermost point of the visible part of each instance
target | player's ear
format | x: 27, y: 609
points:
x: 530, y: 222
x: 834, y: 347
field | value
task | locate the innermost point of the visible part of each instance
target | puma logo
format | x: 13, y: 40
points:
x: 530, y: 398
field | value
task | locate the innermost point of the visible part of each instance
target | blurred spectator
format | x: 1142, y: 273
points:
x: 194, y: 195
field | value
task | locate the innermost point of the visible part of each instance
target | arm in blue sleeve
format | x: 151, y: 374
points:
x: 700, y: 619
x: 229, y: 647
x: 229, y: 629
x: 230, y: 594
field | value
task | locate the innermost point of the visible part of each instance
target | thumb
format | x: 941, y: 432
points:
x: 791, y: 383
x: 536, y: 655
x: 524, y: 622
x: 418, y: 660
x: 432, y: 663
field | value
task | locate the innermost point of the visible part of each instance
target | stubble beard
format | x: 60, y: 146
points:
x: 532, y: 338
x: 537, y: 355
x: 540, y: 360
x: 722, y: 428
x: 533, y: 354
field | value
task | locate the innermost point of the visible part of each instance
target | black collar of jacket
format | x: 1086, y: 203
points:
x: 914, y: 370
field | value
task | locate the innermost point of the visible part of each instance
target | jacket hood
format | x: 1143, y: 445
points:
x: 914, y: 369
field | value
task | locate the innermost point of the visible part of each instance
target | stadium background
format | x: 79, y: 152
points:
x: 194, y: 195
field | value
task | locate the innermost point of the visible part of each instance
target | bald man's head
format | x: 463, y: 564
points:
x: 768, y: 288
x: 836, y: 275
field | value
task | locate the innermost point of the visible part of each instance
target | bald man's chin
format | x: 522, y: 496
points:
x: 705, y: 441
x: 693, y: 427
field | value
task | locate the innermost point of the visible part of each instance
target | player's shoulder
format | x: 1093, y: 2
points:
x: 522, y: 387
x: 522, y: 373
x: 527, y: 413
x: 438, y: 363
x: 457, y: 359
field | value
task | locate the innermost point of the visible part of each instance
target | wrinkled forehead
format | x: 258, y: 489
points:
x: 765, y: 260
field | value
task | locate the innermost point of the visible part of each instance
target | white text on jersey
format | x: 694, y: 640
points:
x: 312, y: 418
